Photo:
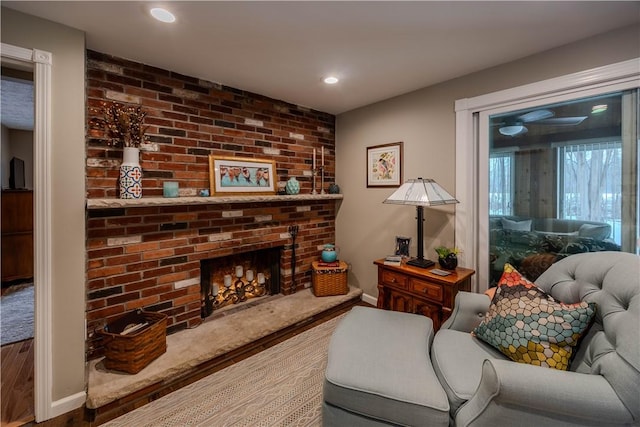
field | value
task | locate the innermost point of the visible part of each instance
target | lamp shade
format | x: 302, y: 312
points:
x: 421, y: 192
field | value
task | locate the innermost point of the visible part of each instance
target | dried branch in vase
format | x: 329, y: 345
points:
x: 122, y: 125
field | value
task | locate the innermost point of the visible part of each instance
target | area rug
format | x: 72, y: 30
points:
x: 280, y: 386
x: 16, y: 315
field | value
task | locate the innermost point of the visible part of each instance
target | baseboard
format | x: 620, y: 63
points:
x: 369, y: 299
x: 67, y: 404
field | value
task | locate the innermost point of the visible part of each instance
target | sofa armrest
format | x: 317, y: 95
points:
x: 468, y: 311
x: 535, y: 395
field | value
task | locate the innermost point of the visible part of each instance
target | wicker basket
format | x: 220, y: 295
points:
x: 132, y: 352
x: 329, y: 280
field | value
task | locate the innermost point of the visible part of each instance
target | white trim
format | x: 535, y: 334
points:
x: 67, y: 404
x: 469, y: 231
x: 626, y: 71
x: 43, y: 363
x: 369, y: 299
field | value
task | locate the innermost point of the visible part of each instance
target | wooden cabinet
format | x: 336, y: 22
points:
x: 417, y: 290
x: 17, y: 234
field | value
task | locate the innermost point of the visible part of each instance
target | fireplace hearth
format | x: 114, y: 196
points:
x: 237, y: 278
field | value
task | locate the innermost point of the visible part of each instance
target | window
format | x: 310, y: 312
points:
x: 532, y: 121
x: 590, y: 185
x: 555, y: 180
x: 501, y: 184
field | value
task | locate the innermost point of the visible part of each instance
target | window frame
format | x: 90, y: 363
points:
x: 472, y: 123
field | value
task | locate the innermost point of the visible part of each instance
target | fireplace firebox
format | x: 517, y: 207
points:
x: 236, y: 278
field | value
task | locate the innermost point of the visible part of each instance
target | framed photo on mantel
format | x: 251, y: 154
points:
x: 384, y: 165
x: 241, y: 176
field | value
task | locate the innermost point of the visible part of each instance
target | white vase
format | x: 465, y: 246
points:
x: 131, y: 174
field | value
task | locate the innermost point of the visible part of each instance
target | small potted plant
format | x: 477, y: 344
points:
x: 447, y: 257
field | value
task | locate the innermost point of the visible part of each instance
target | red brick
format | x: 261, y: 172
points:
x: 142, y: 302
x: 141, y: 247
x: 136, y: 266
x: 104, y: 272
x: 162, y: 253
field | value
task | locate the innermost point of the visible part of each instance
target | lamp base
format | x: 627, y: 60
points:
x: 420, y: 262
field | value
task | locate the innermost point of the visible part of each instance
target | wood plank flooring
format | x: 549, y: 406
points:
x: 17, y: 362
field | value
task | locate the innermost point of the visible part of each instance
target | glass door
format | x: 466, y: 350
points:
x: 562, y: 178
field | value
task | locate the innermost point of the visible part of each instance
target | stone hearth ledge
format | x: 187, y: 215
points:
x: 191, y: 347
x: 216, y: 200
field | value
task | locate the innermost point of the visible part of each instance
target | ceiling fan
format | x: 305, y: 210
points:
x: 514, y: 126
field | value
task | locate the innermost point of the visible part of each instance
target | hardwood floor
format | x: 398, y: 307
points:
x: 17, y: 362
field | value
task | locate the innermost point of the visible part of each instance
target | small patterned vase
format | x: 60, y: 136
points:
x: 131, y: 174
x: 334, y: 189
x: 293, y: 186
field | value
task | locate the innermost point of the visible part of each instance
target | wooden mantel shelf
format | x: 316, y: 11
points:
x: 181, y: 201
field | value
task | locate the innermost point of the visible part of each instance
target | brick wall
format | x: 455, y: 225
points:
x: 149, y: 257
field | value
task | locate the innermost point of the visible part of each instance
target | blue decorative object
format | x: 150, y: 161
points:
x: 334, y: 189
x: 170, y: 189
x: 293, y: 186
x: 204, y: 192
x: 329, y: 253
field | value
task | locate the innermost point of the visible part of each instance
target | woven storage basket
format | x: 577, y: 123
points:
x: 329, y: 280
x: 131, y: 353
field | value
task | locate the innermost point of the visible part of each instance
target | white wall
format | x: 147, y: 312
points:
x: 425, y: 121
x: 68, y: 189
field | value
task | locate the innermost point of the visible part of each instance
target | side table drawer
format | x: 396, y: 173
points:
x: 430, y: 290
x: 392, y: 278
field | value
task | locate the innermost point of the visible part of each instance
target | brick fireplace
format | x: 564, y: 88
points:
x: 148, y: 254
x: 238, y: 278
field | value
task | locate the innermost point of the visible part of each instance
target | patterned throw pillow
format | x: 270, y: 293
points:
x: 529, y: 326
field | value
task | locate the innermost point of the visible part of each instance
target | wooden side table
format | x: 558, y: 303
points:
x: 417, y: 290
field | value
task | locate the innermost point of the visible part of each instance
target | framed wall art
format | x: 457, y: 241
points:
x: 236, y: 175
x: 384, y: 165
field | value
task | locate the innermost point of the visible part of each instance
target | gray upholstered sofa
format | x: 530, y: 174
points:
x: 582, y: 228
x: 513, y: 239
x: 388, y: 368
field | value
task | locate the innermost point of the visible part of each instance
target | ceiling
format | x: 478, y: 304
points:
x: 378, y: 49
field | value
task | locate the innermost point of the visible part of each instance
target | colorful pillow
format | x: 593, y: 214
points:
x: 529, y: 326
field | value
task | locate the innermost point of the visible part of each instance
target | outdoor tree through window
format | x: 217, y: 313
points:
x: 591, y: 183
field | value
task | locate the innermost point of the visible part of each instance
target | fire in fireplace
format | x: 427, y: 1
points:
x: 236, y: 278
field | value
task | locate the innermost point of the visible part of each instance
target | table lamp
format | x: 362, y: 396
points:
x: 420, y: 193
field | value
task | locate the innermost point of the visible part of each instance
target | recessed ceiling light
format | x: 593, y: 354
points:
x: 331, y: 80
x: 162, y: 15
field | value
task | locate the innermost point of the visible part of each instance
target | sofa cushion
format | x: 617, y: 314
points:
x: 378, y: 366
x: 508, y: 224
x: 457, y: 360
x: 599, y: 232
x: 529, y: 326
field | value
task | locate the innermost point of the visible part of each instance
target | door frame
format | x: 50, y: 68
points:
x: 471, y: 220
x: 43, y: 364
